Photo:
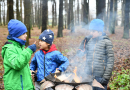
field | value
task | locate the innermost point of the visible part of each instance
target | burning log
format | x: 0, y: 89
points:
x: 84, y: 87
x: 64, y: 87
x: 46, y: 84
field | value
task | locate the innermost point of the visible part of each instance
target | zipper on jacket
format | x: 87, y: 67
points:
x: 44, y: 66
x: 21, y: 81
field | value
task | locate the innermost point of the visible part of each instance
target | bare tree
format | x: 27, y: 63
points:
x: 60, y: 25
x: 21, y: 17
x: 44, y: 15
x: 0, y: 14
x: 85, y: 11
x: 78, y: 11
x: 10, y: 8
x: 126, y: 20
x: 111, y: 16
x: 27, y: 12
x: 100, y: 8
x: 17, y: 9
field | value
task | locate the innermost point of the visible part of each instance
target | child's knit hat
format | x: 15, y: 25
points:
x: 47, y: 36
x: 96, y: 24
x: 16, y: 28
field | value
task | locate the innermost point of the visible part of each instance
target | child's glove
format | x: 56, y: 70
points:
x: 32, y: 47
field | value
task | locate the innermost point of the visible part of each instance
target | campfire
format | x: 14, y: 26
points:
x: 69, y: 81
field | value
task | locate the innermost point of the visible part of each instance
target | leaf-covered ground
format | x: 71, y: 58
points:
x: 69, y: 43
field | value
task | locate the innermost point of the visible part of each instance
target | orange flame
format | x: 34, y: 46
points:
x: 76, y: 78
x: 55, y: 73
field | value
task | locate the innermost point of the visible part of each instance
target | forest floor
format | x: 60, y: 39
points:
x: 68, y: 44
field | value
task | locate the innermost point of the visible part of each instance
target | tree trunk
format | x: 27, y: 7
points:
x: 44, y: 15
x: 0, y: 15
x: 7, y: 17
x: 55, y: 12
x: 17, y: 9
x: 4, y: 13
x: 100, y: 8
x: 71, y: 16
x: 122, y: 18
x: 107, y: 16
x: 21, y: 18
x: 53, y: 15
x: 126, y: 20
x: 115, y: 15
x: 10, y: 8
x: 78, y: 12
x: 85, y: 12
x: 27, y: 12
x: 60, y: 25
x: 111, y: 18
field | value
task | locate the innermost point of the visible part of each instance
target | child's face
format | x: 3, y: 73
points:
x: 43, y: 45
x: 95, y: 34
x: 23, y: 37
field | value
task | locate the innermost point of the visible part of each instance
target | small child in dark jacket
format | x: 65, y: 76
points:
x: 98, y: 50
x: 47, y: 58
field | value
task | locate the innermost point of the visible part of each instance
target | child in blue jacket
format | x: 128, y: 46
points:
x: 48, y: 56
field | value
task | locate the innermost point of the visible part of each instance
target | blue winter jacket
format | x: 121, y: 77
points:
x: 53, y: 59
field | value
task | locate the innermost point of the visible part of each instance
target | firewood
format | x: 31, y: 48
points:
x: 64, y: 87
x: 46, y: 84
x: 84, y: 87
x: 97, y: 84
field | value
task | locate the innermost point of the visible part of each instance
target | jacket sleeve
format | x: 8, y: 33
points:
x: 17, y: 60
x: 63, y: 61
x: 81, y: 50
x: 110, y: 61
x: 33, y: 64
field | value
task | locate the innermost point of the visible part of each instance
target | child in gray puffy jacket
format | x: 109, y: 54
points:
x: 98, y: 50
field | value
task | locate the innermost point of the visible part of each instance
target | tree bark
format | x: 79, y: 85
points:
x: 111, y: 16
x: 60, y: 25
x: 85, y: 12
x: 100, y: 9
x: 126, y: 20
x: 78, y: 12
x: 21, y: 18
x: 115, y: 15
x: 27, y: 12
x: 122, y: 18
x: 71, y: 16
x: 0, y: 15
x: 53, y: 15
x: 10, y: 8
x: 44, y: 15
x: 55, y: 12
x: 17, y: 9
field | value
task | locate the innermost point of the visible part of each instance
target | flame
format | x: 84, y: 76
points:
x: 55, y: 73
x: 76, y: 78
x: 55, y: 76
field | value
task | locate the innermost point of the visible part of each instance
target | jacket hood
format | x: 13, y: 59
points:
x: 4, y: 49
x: 52, y: 48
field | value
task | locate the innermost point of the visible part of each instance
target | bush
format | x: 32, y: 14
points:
x: 121, y: 81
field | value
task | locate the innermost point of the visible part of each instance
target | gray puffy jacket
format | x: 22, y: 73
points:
x: 99, y: 57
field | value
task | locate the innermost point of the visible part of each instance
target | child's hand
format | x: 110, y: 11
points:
x: 57, y: 71
x: 33, y: 47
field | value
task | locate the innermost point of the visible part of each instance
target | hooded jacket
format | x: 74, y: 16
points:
x: 53, y: 59
x: 99, y: 57
x: 17, y: 74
